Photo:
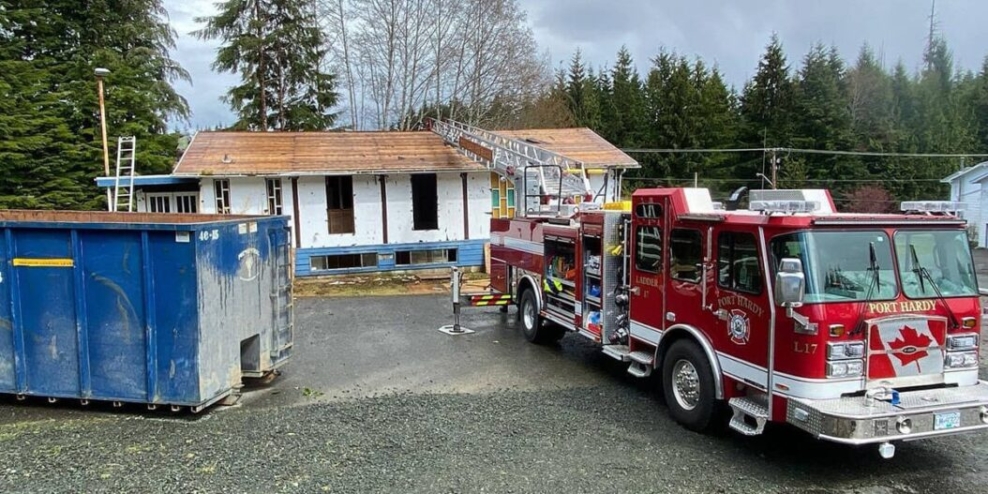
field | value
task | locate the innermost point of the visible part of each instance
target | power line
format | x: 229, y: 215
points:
x: 802, y: 151
x: 694, y: 151
x: 808, y: 180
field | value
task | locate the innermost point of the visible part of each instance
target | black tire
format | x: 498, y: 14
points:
x: 532, y: 326
x: 694, y: 403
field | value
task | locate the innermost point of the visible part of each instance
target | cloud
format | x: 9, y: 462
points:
x: 733, y: 33
x: 729, y: 33
x: 207, y: 86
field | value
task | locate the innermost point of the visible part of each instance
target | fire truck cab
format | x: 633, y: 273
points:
x: 858, y: 329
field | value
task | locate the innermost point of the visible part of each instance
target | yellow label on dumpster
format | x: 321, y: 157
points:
x: 42, y: 263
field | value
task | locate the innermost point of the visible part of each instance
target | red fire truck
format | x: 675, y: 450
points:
x: 858, y: 329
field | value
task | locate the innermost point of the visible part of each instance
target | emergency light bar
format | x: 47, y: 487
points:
x: 932, y: 206
x: 785, y: 206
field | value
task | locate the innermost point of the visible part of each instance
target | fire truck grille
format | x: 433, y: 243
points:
x: 905, y: 351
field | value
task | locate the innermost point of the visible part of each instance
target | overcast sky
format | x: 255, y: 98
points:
x: 730, y: 33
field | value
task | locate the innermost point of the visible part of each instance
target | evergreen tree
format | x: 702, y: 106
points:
x: 581, y: 90
x: 608, y: 116
x: 48, y: 50
x: 628, y: 127
x: 870, y: 104
x: 718, y: 125
x: 767, y: 113
x: 979, y: 104
x: 824, y: 118
x: 276, y: 47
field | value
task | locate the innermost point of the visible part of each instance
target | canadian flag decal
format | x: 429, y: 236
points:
x: 901, y: 347
x: 908, y: 346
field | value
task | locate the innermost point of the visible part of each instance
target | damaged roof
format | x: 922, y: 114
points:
x: 348, y: 153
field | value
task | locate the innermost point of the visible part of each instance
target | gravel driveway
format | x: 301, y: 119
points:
x: 376, y: 400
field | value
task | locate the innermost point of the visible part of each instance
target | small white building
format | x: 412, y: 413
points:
x: 359, y: 201
x: 970, y: 187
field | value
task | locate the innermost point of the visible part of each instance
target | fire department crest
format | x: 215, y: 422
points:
x: 738, y: 327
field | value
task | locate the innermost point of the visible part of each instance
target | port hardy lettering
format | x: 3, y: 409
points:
x: 743, y: 303
x: 897, y: 307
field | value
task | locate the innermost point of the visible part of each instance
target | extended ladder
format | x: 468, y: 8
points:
x: 123, y: 187
x: 538, y: 172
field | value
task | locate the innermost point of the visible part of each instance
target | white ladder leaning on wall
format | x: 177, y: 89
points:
x: 123, y: 186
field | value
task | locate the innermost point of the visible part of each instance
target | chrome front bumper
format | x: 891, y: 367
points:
x: 852, y: 421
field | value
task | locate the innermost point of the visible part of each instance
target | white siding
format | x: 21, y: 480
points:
x: 249, y: 196
x: 969, y: 187
x: 479, y: 191
x: 449, y: 189
x: 597, y: 184
x: 976, y: 212
x: 366, y: 213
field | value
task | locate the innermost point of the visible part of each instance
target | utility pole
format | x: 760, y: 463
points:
x: 100, y: 74
x: 775, y: 169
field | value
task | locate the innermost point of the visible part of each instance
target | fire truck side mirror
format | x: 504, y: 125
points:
x: 790, y: 283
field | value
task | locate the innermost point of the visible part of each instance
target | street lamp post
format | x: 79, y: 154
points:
x: 100, y: 74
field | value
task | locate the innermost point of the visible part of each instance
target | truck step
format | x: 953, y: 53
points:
x: 618, y: 352
x: 639, y: 369
x: 644, y: 358
x: 749, y: 416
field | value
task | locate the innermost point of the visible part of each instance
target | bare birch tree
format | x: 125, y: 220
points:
x: 471, y: 60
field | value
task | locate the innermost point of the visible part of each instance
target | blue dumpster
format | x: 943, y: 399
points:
x: 163, y: 309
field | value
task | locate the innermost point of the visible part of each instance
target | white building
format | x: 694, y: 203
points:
x: 970, y: 187
x: 359, y: 201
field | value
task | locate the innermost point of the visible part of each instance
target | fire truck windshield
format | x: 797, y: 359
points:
x: 837, y: 265
x: 945, y: 256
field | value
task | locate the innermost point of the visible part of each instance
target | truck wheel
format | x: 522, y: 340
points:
x: 531, y: 321
x: 688, y: 385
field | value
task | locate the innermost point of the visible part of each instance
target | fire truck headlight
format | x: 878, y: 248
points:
x: 837, y: 369
x: 961, y: 360
x: 845, y: 350
x: 962, y: 342
x: 855, y: 368
x: 852, y: 368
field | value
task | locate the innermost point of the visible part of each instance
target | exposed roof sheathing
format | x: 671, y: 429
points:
x: 346, y: 153
x: 319, y: 153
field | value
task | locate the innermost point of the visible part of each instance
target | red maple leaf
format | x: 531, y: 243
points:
x: 913, y: 345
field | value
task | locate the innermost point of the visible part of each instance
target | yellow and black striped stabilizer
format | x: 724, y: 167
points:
x: 486, y: 300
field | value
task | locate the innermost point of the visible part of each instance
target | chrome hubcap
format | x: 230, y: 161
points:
x: 685, y: 384
x: 528, y: 315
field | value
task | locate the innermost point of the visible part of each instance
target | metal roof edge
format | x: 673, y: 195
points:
x: 187, y: 148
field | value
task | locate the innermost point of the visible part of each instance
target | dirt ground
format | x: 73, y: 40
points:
x: 385, y: 285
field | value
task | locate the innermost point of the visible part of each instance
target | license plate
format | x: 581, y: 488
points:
x: 944, y: 421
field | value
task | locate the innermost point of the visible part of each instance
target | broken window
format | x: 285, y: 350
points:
x: 342, y: 261
x: 435, y: 256
x: 274, y: 196
x: 339, y: 204
x: 425, y: 202
x: 222, y: 190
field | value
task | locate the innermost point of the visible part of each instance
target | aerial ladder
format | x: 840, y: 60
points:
x: 552, y: 185
x: 123, y: 186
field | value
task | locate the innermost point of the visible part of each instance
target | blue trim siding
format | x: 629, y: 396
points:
x: 469, y: 253
x: 144, y: 180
